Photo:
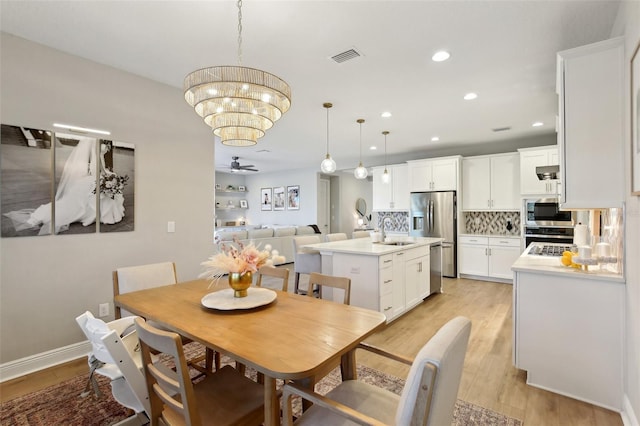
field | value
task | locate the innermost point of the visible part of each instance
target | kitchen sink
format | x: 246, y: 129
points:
x: 396, y: 243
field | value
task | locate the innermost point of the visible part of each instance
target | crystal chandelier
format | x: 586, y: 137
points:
x: 360, y: 172
x: 328, y: 165
x: 386, y: 178
x: 237, y: 102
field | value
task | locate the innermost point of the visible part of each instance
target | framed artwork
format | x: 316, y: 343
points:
x: 635, y: 122
x: 265, y: 199
x: 278, y: 198
x: 293, y: 197
x: 243, y: 204
x: 241, y: 188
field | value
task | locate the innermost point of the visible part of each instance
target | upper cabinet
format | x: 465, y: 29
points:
x: 394, y: 195
x: 440, y: 174
x: 530, y: 158
x: 491, y: 182
x: 590, y: 86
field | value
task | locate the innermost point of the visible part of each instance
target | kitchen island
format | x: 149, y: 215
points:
x: 568, y: 329
x: 391, y: 277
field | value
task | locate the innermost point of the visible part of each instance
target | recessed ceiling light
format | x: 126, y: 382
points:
x: 385, y: 114
x: 435, y: 139
x: 373, y: 147
x: 470, y: 96
x: 537, y: 124
x: 440, y: 56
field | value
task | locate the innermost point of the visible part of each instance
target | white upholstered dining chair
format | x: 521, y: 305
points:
x: 360, y: 234
x: 338, y: 236
x: 142, y: 277
x: 428, y: 397
x: 305, y: 262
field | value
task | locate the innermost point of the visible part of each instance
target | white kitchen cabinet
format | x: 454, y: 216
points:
x: 439, y: 174
x: 530, y: 158
x: 591, y: 91
x: 491, y: 183
x: 416, y: 276
x: 392, y: 196
x: 568, y: 334
x: 488, y: 257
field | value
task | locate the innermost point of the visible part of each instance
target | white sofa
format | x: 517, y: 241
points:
x: 279, y: 237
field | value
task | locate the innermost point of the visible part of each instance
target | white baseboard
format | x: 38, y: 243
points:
x: 37, y: 362
x: 629, y: 417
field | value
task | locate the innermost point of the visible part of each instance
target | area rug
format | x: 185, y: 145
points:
x: 62, y: 404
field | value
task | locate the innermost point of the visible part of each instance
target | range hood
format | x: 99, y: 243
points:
x: 548, y: 172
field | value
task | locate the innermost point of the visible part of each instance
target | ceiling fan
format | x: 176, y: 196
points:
x: 236, y: 167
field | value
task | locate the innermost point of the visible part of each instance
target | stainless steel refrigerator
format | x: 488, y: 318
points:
x: 433, y: 214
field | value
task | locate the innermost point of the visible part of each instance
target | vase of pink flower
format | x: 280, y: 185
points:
x: 239, y: 262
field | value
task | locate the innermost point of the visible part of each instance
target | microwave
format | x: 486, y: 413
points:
x: 546, y: 212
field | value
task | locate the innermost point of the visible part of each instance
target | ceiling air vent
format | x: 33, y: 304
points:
x: 346, y: 55
x: 501, y: 129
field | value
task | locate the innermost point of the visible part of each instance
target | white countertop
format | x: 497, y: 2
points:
x: 366, y: 247
x: 551, y: 265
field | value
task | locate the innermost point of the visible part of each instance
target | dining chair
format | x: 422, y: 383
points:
x: 360, y: 234
x: 115, y: 354
x: 305, y: 262
x: 273, y: 272
x: 338, y: 236
x: 428, y: 397
x: 142, y: 277
x: 223, y: 397
x: 342, y: 283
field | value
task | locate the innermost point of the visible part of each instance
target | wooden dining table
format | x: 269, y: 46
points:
x: 291, y: 338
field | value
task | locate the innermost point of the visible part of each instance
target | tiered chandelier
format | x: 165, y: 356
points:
x: 240, y: 104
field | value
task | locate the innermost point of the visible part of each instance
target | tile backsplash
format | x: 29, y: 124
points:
x: 492, y: 222
x: 399, y: 221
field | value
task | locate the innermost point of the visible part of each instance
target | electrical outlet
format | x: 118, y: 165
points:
x: 103, y: 310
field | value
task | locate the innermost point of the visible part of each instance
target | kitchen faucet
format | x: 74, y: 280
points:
x: 384, y: 222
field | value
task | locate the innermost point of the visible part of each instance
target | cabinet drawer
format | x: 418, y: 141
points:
x: 385, y: 261
x: 386, y: 281
x: 386, y: 305
x: 504, y: 242
x: 468, y: 239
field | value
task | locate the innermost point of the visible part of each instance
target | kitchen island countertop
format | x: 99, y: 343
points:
x: 365, y: 246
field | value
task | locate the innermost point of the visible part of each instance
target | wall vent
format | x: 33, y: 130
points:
x: 346, y: 55
x: 501, y: 129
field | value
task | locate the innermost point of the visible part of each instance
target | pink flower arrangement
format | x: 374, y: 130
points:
x: 239, y: 258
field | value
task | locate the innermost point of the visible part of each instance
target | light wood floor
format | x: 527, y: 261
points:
x: 489, y: 378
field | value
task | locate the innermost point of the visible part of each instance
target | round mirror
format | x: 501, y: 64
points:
x: 361, y: 207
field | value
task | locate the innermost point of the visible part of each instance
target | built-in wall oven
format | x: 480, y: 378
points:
x: 546, y: 223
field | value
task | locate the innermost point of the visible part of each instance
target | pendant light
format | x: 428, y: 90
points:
x: 386, y: 178
x: 360, y: 172
x: 328, y: 165
x: 240, y: 104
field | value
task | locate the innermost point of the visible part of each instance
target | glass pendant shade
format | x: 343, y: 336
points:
x: 328, y: 165
x: 386, y: 178
x: 240, y: 104
x: 360, y: 172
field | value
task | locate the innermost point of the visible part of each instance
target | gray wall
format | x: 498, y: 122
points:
x: 350, y: 190
x: 47, y: 281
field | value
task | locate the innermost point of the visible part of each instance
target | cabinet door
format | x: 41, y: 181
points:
x: 529, y: 182
x: 412, y: 272
x: 505, y: 185
x: 400, y: 187
x: 473, y: 260
x: 500, y: 261
x: 399, y: 304
x: 420, y: 177
x: 382, y: 192
x: 444, y: 175
x: 476, y: 193
x: 424, y: 277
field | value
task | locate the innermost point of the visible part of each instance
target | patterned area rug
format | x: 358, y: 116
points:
x: 62, y: 404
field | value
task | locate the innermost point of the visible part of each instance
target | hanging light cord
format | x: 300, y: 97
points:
x: 239, y: 32
x: 385, y: 133
x: 327, y: 106
x: 361, y: 120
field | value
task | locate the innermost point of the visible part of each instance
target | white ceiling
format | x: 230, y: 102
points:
x: 503, y: 50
